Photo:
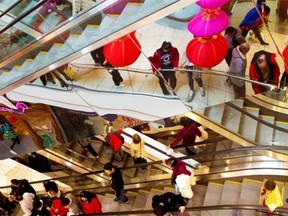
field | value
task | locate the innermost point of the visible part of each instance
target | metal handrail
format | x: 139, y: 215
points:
x: 10, y: 8
x: 160, y: 161
x: 208, y: 71
x: 257, y: 208
x: 9, y: 25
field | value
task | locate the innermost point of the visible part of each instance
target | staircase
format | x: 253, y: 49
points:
x: 37, y: 61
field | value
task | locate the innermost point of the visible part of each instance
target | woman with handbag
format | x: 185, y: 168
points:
x: 138, y: 151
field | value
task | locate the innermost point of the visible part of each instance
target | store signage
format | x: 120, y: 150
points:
x: 21, y: 107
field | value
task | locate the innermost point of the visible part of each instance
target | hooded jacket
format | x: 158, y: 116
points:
x: 238, y: 66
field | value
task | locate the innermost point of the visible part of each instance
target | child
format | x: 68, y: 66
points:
x: 273, y: 198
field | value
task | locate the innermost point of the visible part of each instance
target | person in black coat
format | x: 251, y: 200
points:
x: 167, y: 202
x: 98, y: 57
x: 117, y: 182
x: 19, y: 187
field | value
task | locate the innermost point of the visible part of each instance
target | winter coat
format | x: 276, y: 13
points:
x: 273, y: 199
x: 255, y: 72
x: 92, y: 207
x: 180, y: 168
x: 57, y: 209
x: 115, y: 140
x: 236, y: 39
x: 75, y: 206
x: 155, y: 60
x: 138, y: 150
x: 79, y: 5
x: 188, y: 134
x: 238, y: 66
x: 252, y: 18
x: 26, y: 203
x: 117, y: 182
x: 170, y: 201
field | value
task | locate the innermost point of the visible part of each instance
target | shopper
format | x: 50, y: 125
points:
x: 187, y: 134
x: 90, y: 203
x: 193, y: 75
x: 180, y: 177
x: 264, y: 68
x: 117, y: 182
x: 252, y: 20
x: 238, y: 68
x: 273, y: 198
x: 115, y: 140
x: 138, y: 151
x: 167, y: 202
x: 166, y: 57
x: 234, y: 38
x: 98, y: 57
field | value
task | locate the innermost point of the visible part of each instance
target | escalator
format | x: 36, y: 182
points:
x: 232, y: 187
x: 252, y: 121
x: 76, y: 37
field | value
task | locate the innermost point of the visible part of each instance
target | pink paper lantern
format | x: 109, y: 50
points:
x: 207, y: 52
x: 208, y: 22
x: 213, y: 4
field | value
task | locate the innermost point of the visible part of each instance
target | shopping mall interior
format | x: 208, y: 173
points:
x: 56, y: 100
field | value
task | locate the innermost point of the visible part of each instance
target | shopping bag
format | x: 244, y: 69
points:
x: 71, y: 73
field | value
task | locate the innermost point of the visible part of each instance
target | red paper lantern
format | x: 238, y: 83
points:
x: 124, y: 51
x: 207, y: 52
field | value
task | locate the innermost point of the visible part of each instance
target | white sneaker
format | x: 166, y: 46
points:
x: 13, y: 152
x: 202, y: 90
x: 190, y: 97
x: 120, y: 85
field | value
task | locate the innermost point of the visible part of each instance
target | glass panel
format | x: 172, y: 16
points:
x: 92, y: 27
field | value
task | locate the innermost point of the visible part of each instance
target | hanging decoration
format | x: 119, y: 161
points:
x: 123, y: 51
x: 208, y: 22
x: 211, y: 3
x: 207, y: 52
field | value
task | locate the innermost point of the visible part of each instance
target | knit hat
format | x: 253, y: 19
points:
x: 244, y: 47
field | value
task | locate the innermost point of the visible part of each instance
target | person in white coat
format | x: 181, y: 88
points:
x: 26, y: 203
x: 138, y: 151
x: 78, y: 5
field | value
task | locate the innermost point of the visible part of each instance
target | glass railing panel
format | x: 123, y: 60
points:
x: 99, y: 28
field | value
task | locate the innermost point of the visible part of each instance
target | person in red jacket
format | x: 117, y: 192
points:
x: 115, y: 140
x: 187, y: 134
x: 264, y: 68
x: 90, y: 203
x: 284, y: 78
x: 179, y: 170
x: 166, y: 57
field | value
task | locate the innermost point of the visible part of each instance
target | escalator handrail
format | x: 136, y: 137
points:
x: 257, y: 119
x: 208, y: 142
x: 26, y: 13
x: 257, y: 208
x: 155, y: 162
x: 10, y: 8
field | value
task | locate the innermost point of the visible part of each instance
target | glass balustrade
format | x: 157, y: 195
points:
x: 98, y: 23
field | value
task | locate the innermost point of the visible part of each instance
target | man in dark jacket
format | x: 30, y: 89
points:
x: 166, y: 202
x: 98, y: 57
x: 117, y: 182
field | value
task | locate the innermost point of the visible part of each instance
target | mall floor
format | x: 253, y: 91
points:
x: 151, y: 37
